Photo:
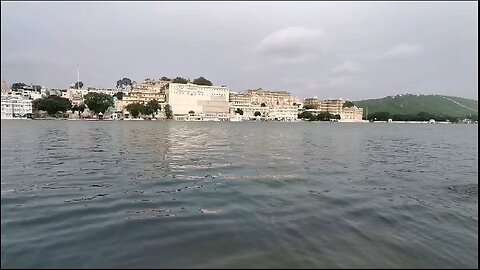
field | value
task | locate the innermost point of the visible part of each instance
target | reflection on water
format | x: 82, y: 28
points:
x: 173, y: 194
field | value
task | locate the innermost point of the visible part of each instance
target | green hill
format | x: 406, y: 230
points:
x: 413, y: 104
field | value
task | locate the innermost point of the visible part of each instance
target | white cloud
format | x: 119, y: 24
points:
x: 292, y: 43
x: 403, y: 50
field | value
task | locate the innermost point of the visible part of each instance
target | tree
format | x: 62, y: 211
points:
x: 325, y: 116
x: 152, y: 107
x: 165, y: 79
x: 78, y: 85
x: 81, y: 108
x: 98, y: 102
x: 348, y: 104
x: 379, y: 116
x: 202, y: 81
x: 119, y: 95
x: 257, y: 113
x: 124, y: 82
x: 239, y: 111
x: 180, y: 80
x: 52, y: 104
x: 337, y: 116
x: 424, y: 116
x: 263, y: 104
x: 135, y: 109
x: 17, y: 86
x: 191, y: 112
x: 306, y: 115
x: 168, y: 111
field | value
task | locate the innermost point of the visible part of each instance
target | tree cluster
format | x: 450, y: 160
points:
x: 150, y: 108
x: 78, y: 85
x: 98, y: 102
x: 124, y: 83
x: 17, y: 86
x: 119, y: 95
x: 79, y: 108
x: 239, y: 111
x: 322, y: 116
x: 348, y: 104
x: 421, y: 116
x: 180, y: 80
x: 52, y: 104
x: 202, y: 81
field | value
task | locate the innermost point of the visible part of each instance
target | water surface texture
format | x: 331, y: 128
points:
x: 142, y: 194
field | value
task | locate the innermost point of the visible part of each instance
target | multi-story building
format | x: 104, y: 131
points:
x: 311, y: 103
x: 205, y: 101
x: 14, y: 107
x: 143, y: 93
x: 333, y: 106
x: 351, y: 113
x: 272, y: 105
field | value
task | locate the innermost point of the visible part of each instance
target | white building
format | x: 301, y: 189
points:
x: 203, y: 100
x: 15, y: 107
x: 272, y: 105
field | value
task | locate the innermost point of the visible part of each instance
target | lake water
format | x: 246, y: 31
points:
x: 143, y: 194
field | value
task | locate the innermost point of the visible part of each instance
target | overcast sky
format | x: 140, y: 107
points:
x: 325, y: 49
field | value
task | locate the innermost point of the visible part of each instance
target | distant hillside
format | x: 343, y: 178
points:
x: 413, y: 104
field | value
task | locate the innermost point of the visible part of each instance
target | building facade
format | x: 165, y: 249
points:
x: 14, y: 107
x: 333, y: 106
x: 203, y: 100
x: 144, y: 92
x: 271, y: 105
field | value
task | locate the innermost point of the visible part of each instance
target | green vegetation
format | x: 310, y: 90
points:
x: 421, y: 116
x: 52, y: 104
x: 348, y: 104
x: 263, y: 104
x: 78, y: 85
x: 17, y: 86
x: 135, y: 109
x: 411, y: 105
x: 119, y: 95
x: 257, y: 113
x: 124, y: 82
x: 239, y: 111
x: 202, y: 81
x: 322, y: 116
x: 306, y: 116
x: 180, y: 80
x: 191, y: 112
x: 168, y: 111
x: 98, y: 102
x: 165, y: 79
x: 152, y: 107
x: 80, y: 109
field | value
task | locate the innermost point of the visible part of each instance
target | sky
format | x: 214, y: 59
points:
x: 348, y: 50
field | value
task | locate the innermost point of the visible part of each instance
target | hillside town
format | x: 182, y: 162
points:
x: 176, y: 99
